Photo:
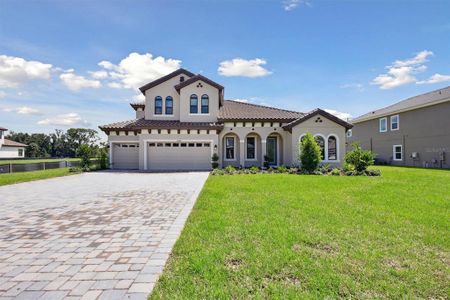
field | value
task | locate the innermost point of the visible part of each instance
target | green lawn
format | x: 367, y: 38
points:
x: 30, y: 161
x: 289, y: 236
x: 34, y: 175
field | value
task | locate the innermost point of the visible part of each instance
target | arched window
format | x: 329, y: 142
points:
x: 169, y: 105
x: 205, y: 104
x: 158, y: 105
x: 194, y: 104
x: 321, y: 142
x: 332, y: 148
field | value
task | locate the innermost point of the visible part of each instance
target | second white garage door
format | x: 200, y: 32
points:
x: 177, y: 156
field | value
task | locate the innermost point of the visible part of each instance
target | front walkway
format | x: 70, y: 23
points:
x: 91, y: 236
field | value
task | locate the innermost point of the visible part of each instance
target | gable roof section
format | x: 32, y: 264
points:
x: 241, y: 111
x: 427, y: 99
x: 10, y: 143
x: 164, y: 78
x: 198, y: 77
x: 142, y: 123
x: 316, y: 112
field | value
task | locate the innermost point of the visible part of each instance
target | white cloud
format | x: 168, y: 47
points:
x: 436, y: 78
x: 2, y: 94
x: 341, y: 115
x: 357, y: 86
x: 138, y: 98
x: 23, y: 110
x: 115, y: 85
x: 243, y: 67
x: 241, y: 100
x: 16, y: 70
x: 402, y: 72
x: 99, y: 74
x: 69, y: 119
x: 138, y: 69
x: 289, y: 5
x: 77, y: 82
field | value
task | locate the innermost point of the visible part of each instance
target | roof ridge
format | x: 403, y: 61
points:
x: 265, y: 106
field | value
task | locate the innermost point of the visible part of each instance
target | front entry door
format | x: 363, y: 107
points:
x: 272, y: 150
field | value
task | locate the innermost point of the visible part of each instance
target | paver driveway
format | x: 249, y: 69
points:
x: 91, y: 236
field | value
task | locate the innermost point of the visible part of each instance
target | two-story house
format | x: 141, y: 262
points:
x: 185, y: 120
x: 412, y: 132
x: 10, y: 149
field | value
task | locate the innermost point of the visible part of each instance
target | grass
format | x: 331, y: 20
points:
x: 34, y: 175
x: 308, y: 237
x: 30, y: 161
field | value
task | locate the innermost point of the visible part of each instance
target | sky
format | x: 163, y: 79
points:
x: 79, y: 63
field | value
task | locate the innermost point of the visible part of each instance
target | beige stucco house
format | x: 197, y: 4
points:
x: 185, y: 120
x: 10, y: 149
x: 412, y: 132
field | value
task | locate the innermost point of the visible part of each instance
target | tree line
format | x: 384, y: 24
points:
x: 60, y: 143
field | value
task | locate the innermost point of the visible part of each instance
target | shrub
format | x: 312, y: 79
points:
x: 218, y: 172
x: 75, y: 170
x: 103, y: 158
x: 254, y: 170
x: 230, y: 170
x: 84, y: 152
x: 359, y: 158
x: 293, y: 170
x: 373, y: 172
x: 270, y: 170
x: 215, y: 159
x: 309, y: 153
x: 266, y: 161
x: 335, y: 172
x: 281, y: 169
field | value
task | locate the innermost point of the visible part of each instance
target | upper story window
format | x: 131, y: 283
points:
x: 169, y: 105
x: 397, y: 152
x: 229, y: 148
x: 349, y: 133
x: 383, y: 124
x: 205, y: 104
x: 158, y: 105
x: 332, y: 148
x: 395, y: 122
x: 193, y: 104
x: 321, y: 142
x: 251, y: 147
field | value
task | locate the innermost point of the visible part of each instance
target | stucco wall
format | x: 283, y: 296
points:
x: 325, y: 128
x: 10, y: 152
x: 425, y: 131
x: 185, y: 94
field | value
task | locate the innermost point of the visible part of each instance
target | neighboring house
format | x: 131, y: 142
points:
x: 185, y: 120
x: 10, y: 149
x: 412, y: 132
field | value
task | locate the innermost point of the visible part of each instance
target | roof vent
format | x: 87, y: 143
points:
x: 181, y: 78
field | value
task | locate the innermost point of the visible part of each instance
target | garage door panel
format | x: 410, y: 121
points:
x: 126, y: 156
x: 179, y: 156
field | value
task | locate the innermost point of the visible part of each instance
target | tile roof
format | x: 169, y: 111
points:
x: 235, y: 111
x: 164, y: 78
x: 3, y: 129
x: 426, y: 99
x: 316, y: 112
x: 159, y: 124
x: 10, y: 143
x: 135, y: 106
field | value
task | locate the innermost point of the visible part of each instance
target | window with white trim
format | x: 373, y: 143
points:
x: 20, y: 152
x: 383, y: 124
x: 158, y: 105
x: 229, y: 148
x: 332, y: 148
x: 395, y: 122
x: 205, y: 104
x: 193, y: 104
x: 397, y: 152
x: 321, y: 142
x: 251, y: 147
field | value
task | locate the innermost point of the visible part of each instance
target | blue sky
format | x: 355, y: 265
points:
x: 78, y: 63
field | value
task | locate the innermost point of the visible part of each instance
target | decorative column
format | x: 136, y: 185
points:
x: 263, y: 151
x: 111, y: 155
x: 242, y: 153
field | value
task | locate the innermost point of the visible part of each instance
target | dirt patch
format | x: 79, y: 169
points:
x: 233, y: 264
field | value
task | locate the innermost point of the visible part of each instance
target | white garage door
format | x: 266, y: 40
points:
x: 179, y: 156
x: 126, y: 156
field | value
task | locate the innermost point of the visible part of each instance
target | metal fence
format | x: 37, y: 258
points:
x: 37, y: 166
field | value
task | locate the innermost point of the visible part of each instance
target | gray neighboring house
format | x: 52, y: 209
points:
x: 412, y: 132
x: 185, y: 120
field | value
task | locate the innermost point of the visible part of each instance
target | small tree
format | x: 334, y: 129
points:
x: 84, y: 152
x: 215, y: 159
x: 310, y: 153
x: 103, y: 158
x: 359, y: 158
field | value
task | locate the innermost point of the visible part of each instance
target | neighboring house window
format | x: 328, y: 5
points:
x: 383, y: 124
x: 194, y: 104
x: 229, y: 148
x: 251, y: 148
x: 395, y: 122
x: 1, y: 134
x: 205, y: 104
x: 349, y: 133
x: 20, y: 152
x: 169, y: 105
x: 321, y: 142
x: 158, y: 105
x: 397, y: 152
x: 332, y: 148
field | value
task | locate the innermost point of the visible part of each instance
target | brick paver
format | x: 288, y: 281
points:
x: 91, y: 236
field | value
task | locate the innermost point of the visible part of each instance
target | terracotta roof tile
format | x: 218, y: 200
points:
x: 159, y: 124
x: 10, y: 143
x: 235, y: 111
